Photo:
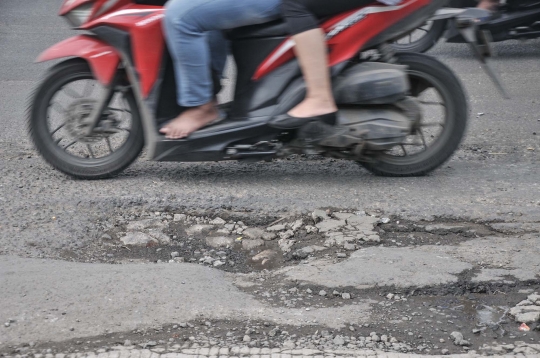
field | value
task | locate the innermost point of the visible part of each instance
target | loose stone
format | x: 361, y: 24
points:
x: 274, y: 228
x: 220, y: 241
x: 339, y: 341
x: 218, y: 221
x: 137, y: 238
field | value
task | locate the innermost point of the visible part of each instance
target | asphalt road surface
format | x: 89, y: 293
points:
x: 46, y: 216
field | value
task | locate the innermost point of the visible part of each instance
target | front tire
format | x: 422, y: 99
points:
x: 60, y: 148
x: 425, y: 71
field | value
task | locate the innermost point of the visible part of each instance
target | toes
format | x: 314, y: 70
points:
x: 175, y: 134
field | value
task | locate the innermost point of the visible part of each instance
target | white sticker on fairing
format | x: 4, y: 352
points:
x: 360, y: 14
x: 150, y: 20
x: 389, y: 2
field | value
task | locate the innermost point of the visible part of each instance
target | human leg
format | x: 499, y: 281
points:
x: 302, y: 19
x: 187, y: 26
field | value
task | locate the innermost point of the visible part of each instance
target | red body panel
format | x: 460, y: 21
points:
x: 142, y: 22
x: 147, y: 42
x: 347, y: 35
x: 348, y: 42
x: 103, y: 58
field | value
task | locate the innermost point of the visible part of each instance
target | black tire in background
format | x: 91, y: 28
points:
x: 80, y: 168
x: 456, y: 111
x: 426, y: 42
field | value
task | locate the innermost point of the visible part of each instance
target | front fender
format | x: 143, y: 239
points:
x: 102, y: 58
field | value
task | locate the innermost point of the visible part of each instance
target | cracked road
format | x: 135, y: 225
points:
x: 494, y: 180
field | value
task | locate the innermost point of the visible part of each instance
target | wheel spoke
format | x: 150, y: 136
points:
x: 70, y: 144
x: 422, y: 29
x: 410, y: 37
x: 431, y: 103
x: 119, y: 110
x: 90, y: 151
x: 422, y: 137
x: 109, y: 144
x: 57, y: 129
x: 404, y: 151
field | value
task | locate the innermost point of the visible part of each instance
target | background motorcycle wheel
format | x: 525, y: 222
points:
x: 421, y: 39
x: 443, y: 124
x: 58, y: 108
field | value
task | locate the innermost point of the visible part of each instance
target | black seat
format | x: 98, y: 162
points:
x: 274, y: 28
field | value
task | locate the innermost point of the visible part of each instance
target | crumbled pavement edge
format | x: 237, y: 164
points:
x: 245, y: 351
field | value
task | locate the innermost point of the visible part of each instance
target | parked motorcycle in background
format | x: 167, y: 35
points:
x: 513, y: 20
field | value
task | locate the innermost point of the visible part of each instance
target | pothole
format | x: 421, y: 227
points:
x: 244, y: 242
x: 429, y: 318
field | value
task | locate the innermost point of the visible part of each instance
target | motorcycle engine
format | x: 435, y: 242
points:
x: 382, y: 127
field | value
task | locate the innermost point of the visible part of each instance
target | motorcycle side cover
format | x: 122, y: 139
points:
x: 372, y: 83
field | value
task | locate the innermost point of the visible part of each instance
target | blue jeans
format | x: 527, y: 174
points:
x: 194, y: 36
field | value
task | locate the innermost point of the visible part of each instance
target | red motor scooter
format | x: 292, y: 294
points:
x: 400, y: 114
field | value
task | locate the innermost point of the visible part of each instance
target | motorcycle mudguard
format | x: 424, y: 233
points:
x: 102, y: 58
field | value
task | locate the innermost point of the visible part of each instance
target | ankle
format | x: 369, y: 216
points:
x: 208, y: 108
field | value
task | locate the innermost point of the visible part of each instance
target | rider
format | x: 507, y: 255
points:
x: 197, y: 46
x: 302, y: 17
x: 188, y: 24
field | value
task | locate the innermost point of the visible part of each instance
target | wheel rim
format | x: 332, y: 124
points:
x: 415, y: 36
x: 433, y: 131
x: 67, y: 107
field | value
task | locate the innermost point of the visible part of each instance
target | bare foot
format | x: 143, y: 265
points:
x: 311, y: 107
x: 190, y: 120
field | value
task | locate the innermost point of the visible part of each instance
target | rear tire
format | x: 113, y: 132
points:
x: 456, y: 112
x: 81, y: 168
x: 426, y: 42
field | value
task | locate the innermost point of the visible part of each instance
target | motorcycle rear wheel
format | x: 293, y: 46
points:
x: 422, y: 39
x: 53, y: 124
x: 426, y: 73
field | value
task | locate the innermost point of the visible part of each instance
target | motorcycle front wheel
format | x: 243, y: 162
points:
x: 443, y: 123
x: 59, y: 108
